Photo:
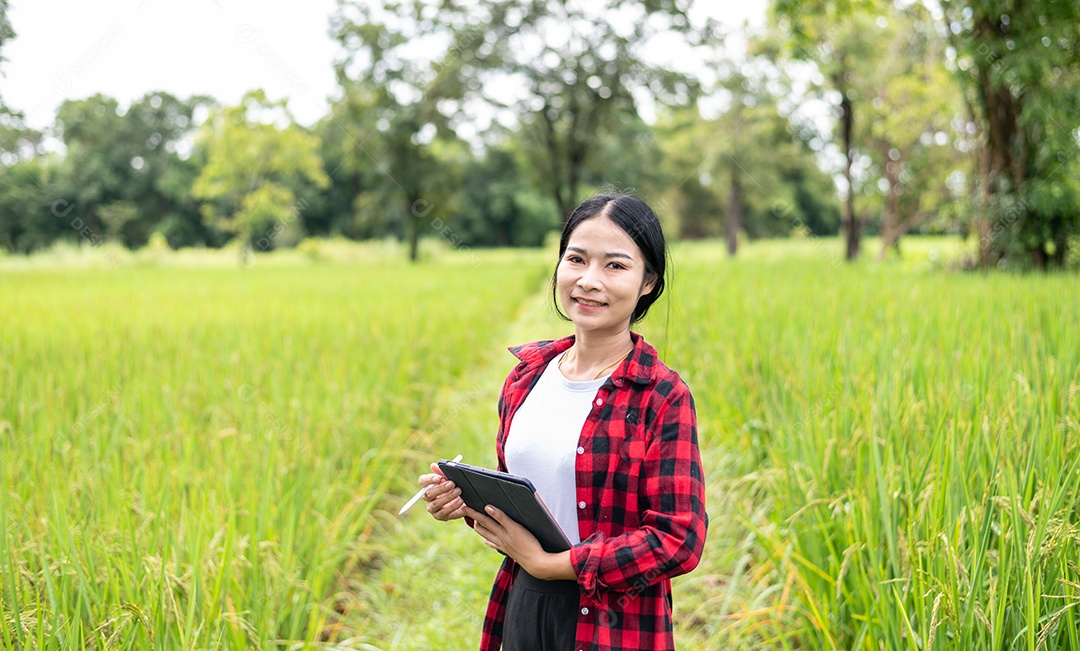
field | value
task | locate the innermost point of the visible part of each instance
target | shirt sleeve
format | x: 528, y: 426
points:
x: 671, y: 537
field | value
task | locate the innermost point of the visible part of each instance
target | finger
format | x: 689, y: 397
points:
x: 430, y: 479
x: 448, y: 510
x: 435, y: 491
x: 486, y: 521
x: 476, y: 515
x: 437, y: 470
x: 443, y: 501
x: 487, y: 534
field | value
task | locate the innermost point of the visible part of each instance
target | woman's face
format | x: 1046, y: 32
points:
x: 601, y: 276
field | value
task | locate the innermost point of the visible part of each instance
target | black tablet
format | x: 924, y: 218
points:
x: 513, y: 495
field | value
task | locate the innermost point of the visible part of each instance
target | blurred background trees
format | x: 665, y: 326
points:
x: 261, y: 168
x: 1018, y: 65
x: 483, y: 124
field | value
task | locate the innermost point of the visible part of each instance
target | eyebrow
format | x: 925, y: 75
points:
x: 609, y: 254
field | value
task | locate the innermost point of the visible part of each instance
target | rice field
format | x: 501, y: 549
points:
x: 189, y: 457
x: 199, y: 456
x: 899, y: 449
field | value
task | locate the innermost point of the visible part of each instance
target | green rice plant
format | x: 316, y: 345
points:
x: 190, y: 457
x: 202, y: 457
x: 902, y: 450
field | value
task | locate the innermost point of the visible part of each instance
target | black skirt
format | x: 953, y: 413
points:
x: 540, y: 615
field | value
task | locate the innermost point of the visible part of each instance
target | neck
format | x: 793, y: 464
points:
x: 596, y: 348
x: 592, y: 353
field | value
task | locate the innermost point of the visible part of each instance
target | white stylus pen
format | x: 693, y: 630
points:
x: 420, y: 493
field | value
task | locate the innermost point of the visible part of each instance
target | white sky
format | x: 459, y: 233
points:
x: 66, y: 49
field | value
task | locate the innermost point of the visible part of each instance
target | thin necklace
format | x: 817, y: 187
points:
x: 597, y: 376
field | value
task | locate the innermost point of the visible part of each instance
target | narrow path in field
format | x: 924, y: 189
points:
x: 427, y: 584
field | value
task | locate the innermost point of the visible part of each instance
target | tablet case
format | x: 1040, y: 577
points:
x: 513, y: 495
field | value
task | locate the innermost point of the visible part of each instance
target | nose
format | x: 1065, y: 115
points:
x: 590, y: 278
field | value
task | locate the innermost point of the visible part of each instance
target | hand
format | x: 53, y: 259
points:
x: 443, y: 498
x: 501, y: 533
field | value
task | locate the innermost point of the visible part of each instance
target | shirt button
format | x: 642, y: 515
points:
x: 599, y: 401
x: 581, y: 450
x: 581, y: 505
x: 584, y: 611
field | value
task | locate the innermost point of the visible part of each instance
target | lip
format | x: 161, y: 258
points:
x: 577, y: 301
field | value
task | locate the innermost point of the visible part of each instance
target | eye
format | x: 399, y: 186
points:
x: 616, y: 265
x: 573, y: 258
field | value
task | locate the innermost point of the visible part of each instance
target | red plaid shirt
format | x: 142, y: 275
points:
x: 641, y: 500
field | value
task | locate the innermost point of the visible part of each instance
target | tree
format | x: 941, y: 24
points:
x: 759, y: 170
x: 97, y: 165
x: 352, y: 174
x: 1019, y: 62
x: 832, y: 34
x: 572, y: 68
x: 115, y: 172
x: 159, y: 184
x: 498, y: 207
x: 396, y: 105
x: 259, y: 166
x: 913, y: 125
x: 6, y: 34
x: 27, y: 220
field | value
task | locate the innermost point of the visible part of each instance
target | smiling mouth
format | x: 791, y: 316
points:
x: 586, y: 303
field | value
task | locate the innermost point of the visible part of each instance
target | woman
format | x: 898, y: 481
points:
x: 608, y: 435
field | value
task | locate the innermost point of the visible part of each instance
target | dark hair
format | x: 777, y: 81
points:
x: 642, y: 225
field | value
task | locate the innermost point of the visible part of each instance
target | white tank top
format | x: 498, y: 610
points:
x: 543, y: 441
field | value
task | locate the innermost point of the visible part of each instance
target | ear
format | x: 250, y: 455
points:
x: 647, y: 284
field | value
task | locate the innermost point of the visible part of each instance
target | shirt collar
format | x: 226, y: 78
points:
x: 640, y: 367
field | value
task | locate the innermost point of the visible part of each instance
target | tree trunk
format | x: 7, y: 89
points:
x: 733, y: 219
x: 551, y: 142
x: 1038, y: 257
x: 412, y: 227
x: 851, y: 225
x: 978, y: 188
x: 1061, y: 241
x: 1001, y: 113
x: 982, y: 219
x: 890, y: 226
x: 890, y: 239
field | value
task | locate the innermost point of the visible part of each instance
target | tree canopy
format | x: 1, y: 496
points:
x: 482, y: 125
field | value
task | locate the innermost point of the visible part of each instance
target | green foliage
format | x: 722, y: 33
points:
x: 28, y: 218
x: 907, y: 483
x: 255, y: 168
x: 481, y: 125
x: 6, y: 31
x: 578, y: 68
x: 913, y: 129
x: 393, y: 105
x: 781, y: 183
x: 160, y: 187
x: 1020, y: 64
x: 218, y: 442
x: 94, y: 170
x: 837, y: 38
x: 123, y: 161
x: 352, y: 173
x: 498, y: 208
